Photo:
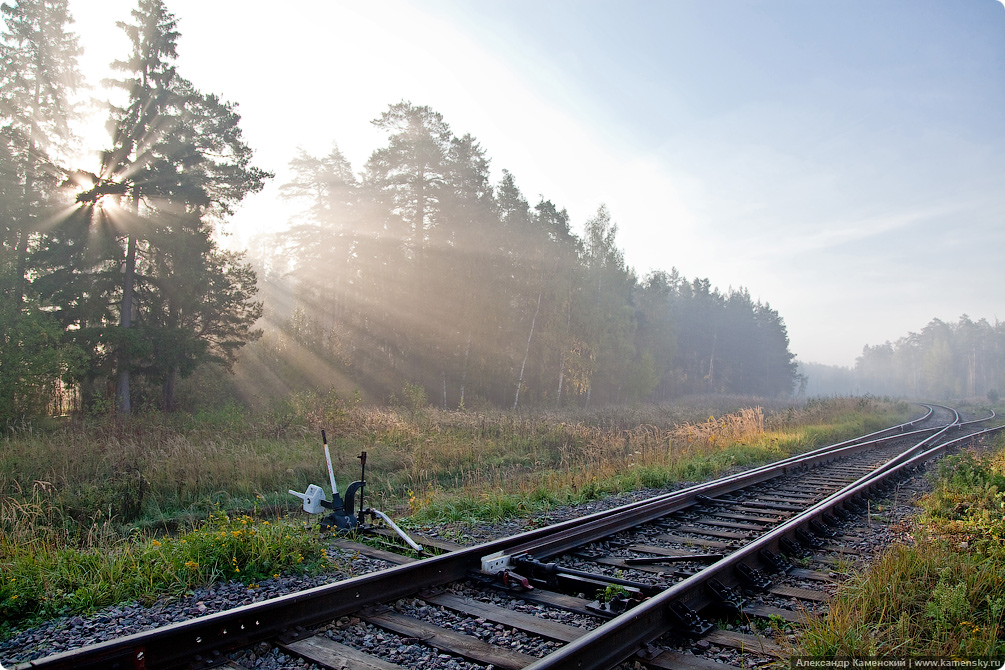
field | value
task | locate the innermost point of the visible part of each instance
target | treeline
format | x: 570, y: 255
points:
x: 965, y: 359
x: 945, y: 361
x: 417, y: 274
x: 420, y: 271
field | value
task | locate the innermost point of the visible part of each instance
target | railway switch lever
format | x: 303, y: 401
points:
x: 342, y: 516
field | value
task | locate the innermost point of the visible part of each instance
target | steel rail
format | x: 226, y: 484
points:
x: 620, y: 638
x: 590, y: 528
x: 206, y: 638
x: 956, y: 424
x: 982, y: 420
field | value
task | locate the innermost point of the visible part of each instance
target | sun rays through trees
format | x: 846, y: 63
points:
x: 420, y: 271
x: 124, y: 259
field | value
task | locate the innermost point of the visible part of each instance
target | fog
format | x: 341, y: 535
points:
x: 425, y: 273
x: 609, y: 196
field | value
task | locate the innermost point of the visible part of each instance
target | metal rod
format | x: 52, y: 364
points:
x: 328, y: 459
x: 362, y: 483
x: 399, y: 531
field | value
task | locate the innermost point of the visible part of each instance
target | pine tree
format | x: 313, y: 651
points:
x: 38, y: 56
x: 323, y: 240
x: 404, y: 184
x: 411, y: 171
x: 463, y: 269
x: 177, y: 166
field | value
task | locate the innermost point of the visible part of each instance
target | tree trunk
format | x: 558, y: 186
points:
x: 419, y: 233
x: 561, y: 382
x: 711, y: 366
x: 168, y: 389
x: 561, y: 369
x: 464, y: 369
x: 27, y: 224
x: 122, y: 396
x: 21, y: 264
x: 526, y: 352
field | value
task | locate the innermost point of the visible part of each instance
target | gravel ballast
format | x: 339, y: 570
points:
x: 73, y: 632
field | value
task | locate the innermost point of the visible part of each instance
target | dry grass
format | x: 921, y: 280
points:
x: 557, y: 462
x: 160, y: 470
x: 942, y: 596
x: 101, y: 498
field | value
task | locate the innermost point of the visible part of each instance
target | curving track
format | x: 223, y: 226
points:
x: 674, y: 563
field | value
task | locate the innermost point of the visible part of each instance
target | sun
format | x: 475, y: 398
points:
x: 91, y: 189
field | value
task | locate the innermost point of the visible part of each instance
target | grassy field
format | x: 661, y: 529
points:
x: 943, y: 595
x: 94, y: 512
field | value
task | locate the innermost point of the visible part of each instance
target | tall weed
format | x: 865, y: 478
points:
x: 943, y: 595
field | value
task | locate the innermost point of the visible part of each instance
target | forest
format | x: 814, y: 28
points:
x: 944, y: 361
x: 417, y: 275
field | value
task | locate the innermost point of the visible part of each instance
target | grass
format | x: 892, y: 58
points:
x: 46, y: 575
x: 944, y: 595
x: 577, y: 462
x: 94, y: 512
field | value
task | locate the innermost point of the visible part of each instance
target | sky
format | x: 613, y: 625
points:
x: 843, y: 161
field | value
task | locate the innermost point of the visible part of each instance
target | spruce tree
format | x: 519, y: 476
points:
x: 38, y: 79
x: 177, y: 166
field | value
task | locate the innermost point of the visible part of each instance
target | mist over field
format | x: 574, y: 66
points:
x: 944, y: 361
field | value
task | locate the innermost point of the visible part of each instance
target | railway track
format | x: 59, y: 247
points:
x: 620, y: 580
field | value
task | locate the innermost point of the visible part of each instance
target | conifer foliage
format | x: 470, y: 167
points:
x: 423, y: 274
x: 126, y: 265
x: 419, y: 272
